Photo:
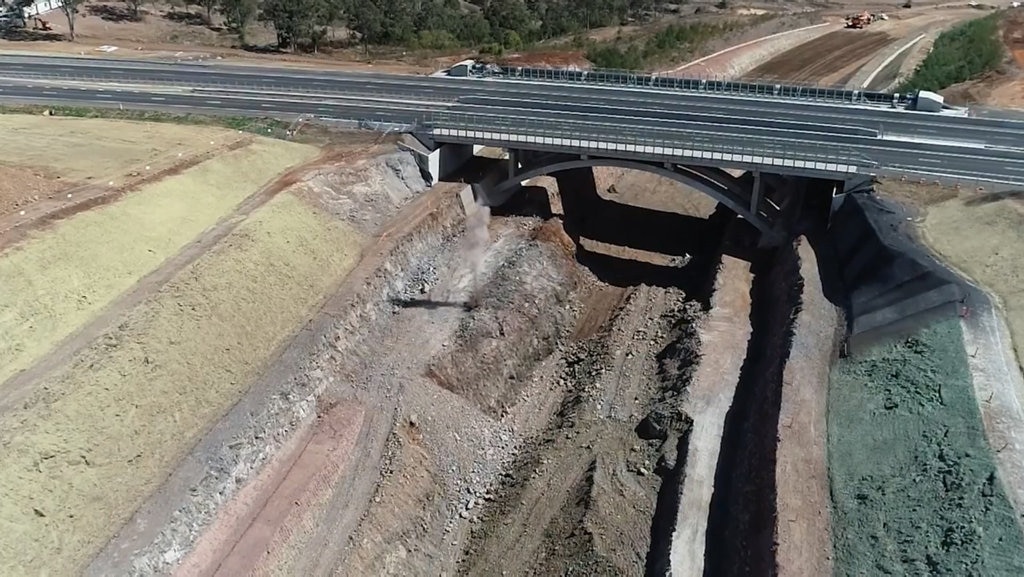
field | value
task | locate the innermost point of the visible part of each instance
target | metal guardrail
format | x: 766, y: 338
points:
x: 589, y: 136
x: 198, y: 82
x: 716, y: 85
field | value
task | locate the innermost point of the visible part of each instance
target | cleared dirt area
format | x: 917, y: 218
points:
x: 46, y: 155
x: 803, y: 532
x: 741, y: 59
x: 825, y: 59
x: 845, y: 56
x: 542, y: 417
x: 993, y: 258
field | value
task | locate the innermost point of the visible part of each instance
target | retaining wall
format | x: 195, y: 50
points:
x: 890, y: 283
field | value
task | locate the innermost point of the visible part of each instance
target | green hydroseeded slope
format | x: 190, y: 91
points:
x: 914, y: 484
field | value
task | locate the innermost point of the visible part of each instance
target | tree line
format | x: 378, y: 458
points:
x: 959, y: 54
x: 432, y: 24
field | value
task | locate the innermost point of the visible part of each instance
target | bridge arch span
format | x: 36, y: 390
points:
x: 714, y: 182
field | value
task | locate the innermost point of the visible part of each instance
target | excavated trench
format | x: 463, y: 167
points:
x: 597, y: 490
x: 517, y: 403
x: 741, y: 525
x: 559, y: 444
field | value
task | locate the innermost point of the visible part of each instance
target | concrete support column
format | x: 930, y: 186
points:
x: 513, y: 163
x: 578, y: 192
x: 440, y: 163
x: 755, y: 193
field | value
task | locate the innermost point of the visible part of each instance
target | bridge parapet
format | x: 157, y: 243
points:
x: 632, y: 78
x: 674, y: 146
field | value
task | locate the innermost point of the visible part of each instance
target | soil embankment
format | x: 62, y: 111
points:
x: 889, y: 284
x: 914, y: 486
x: 723, y: 336
x: 803, y: 534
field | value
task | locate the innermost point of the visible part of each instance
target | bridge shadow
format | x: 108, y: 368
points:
x: 692, y: 242
x: 431, y: 304
x: 586, y: 216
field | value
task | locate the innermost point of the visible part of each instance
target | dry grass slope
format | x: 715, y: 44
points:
x: 55, y: 282
x: 79, y: 458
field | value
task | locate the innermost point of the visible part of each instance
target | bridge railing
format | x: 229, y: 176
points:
x: 669, y: 143
x: 718, y: 85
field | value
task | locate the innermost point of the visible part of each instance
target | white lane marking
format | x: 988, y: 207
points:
x: 306, y: 97
x: 157, y: 98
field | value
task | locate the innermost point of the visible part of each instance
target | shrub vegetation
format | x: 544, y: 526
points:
x: 959, y: 54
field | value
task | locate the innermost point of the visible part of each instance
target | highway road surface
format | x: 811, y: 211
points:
x: 989, y: 148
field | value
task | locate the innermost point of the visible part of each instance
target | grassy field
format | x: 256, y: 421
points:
x: 914, y: 485
x: 94, y: 442
x: 56, y: 281
x: 84, y: 149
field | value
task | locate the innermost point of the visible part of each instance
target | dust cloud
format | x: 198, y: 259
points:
x: 475, y: 248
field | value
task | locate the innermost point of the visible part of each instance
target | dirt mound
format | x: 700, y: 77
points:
x: 522, y: 298
x: 1013, y: 35
x: 20, y: 187
x: 585, y: 497
x: 554, y: 59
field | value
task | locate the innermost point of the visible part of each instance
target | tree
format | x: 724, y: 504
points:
x: 295, y: 21
x: 70, y: 9
x: 238, y: 15
x: 509, y: 15
x: 133, y: 7
x: 208, y: 6
x: 384, y: 21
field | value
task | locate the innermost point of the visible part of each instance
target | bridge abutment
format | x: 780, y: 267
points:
x: 444, y: 161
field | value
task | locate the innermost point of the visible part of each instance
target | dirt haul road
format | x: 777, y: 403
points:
x: 844, y: 51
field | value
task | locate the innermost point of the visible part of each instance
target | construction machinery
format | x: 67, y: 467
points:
x: 859, y: 20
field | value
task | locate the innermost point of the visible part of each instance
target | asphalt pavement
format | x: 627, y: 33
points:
x: 988, y: 147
